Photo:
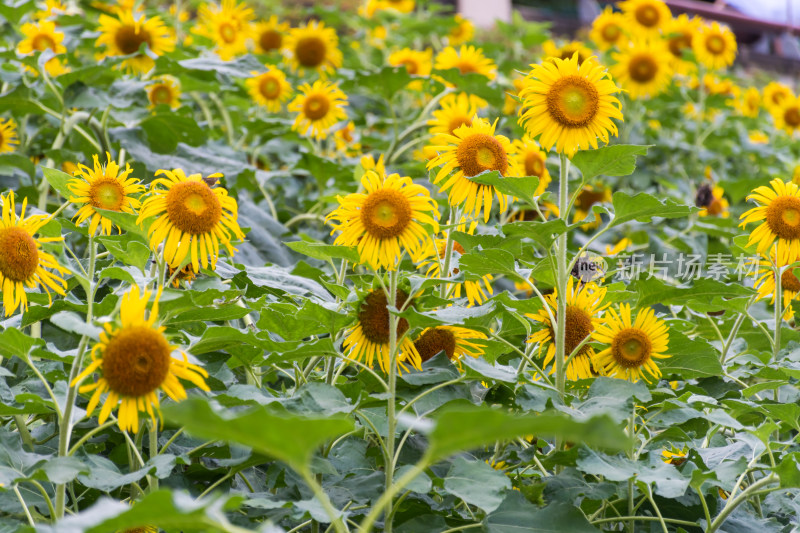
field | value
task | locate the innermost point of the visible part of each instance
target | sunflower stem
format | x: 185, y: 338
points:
x: 65, y: 424
x: 562, y: 275
x: 776, y: 345
x: 391, y: 414
x: 455, y: 216
x: 153, y: 437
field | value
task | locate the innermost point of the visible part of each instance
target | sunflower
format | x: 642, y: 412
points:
x: 674, y: 456
x: 314, y: 47
x: 384, y: 220
x: 714, y: 46
x: 643, y: 68
x: 270, y: 88
x: 608, y: 29
x: 456, y: 342
x: 8, y: 135
x: 193, y: 218
x: 230, y: 26
x: 268, y: 35
x: 22, y: 261
x: 570, y: 105
x: 165, y: 90
x: 346, y: 139
x: 584, y: 304
x: 416, y: 62
x: 787, y: 115
x: 633, y: 344
x: 712, y: 201
x: 135, y: 361
x: 466, y: 59
x: 621, y: 246
x: 757, y: 137
x: 462, y: 32
x: 369, y: 338
x: 647, y: 17
x: 750, y: 103
x: 471, y: 150
x: 319, y: 107
x: 566, y: 51
x: 679, y: 34
x: 780, y: 211
x: 124, y: 34
x: 774, y: 95
x: 456, y: 110
x: 52, y: 9
x: 40, y: 37
x: 589, y: 196
x: 435, y: 250
x: 103, y: 187
x: 765, y: 284
x: 401, y: 6
x: 530, y: 160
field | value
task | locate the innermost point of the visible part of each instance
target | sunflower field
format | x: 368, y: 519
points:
x: 361, y: 266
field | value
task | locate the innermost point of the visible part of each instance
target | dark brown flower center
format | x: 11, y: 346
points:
x: 193, y: 207
x: 19, y: 257
x: 374, y: 316
x: 578, y: 326
x: 316, y: 106
x: 715, y: 44
x: 436, y: 340
x: 106, y: 193
x: 43, y: 41
x: 269, y: 87
x: 310, y: 51
x: 136, y: 361
x: 783, y: 217
x: 643, y: 68
x: 789, y: 281
x: 680, y: 43
x: 631, y: 348
x: 386, y: 213
x: 647, y: 15
x: 129, y: 39
x: 270, y: 40
x: 480, y: 152
x: 573, y: 101
x: 588, y: 197
x: 161, y: 94
x: 792, y: 117
x: 534, y: 164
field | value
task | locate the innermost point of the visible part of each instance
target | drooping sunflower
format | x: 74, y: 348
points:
x: 40, y: 37
x: 455, y: 111
x: 385, y: 220
x: 229, y: 25
x: 530, y: 160
x: 124, y: 35
x: 550, y: 49
x: 22, y: 261
x: 765, y: 285
x: 469, y: 151
x: 779, y: 210
x: 270, y: 88
x: 569, y: 105
x: 456, y: 342
x: 633, y: 344
x: 346, y: 139
x: 608, y: 29
x: 679, y: 34
x: 714, y: 45
x: 466, y: 59
x: 318, y: 107
x: 103, y: 187
x: 711, y: 200
x: 589, y: 196
x: 774, y: 95
x: 478, y: 291
x: 462, y: 32
x: 135, y: 362
x: 584, y: 305
x: 368, y: 339
x: 268, y: 35
x: 787, y: 115
x: 313, y: 47
x: 193, y: 218
x: 750, y: 103
x: 647, y: 17
x: 644, y: 68
x: 8, y: 135
x: 165, y: 90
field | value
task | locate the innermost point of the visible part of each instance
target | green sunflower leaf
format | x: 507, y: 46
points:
x: 616, y: 160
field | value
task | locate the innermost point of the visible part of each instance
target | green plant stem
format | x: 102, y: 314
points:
x: 562, y: 275
x: 153, y: 435
x: 24, y: 507
x: 226, y: 117
x: 644, y: 519
x: 330, y: 510
x: 391, y: 415
x: 733, y: 503
x: 65, y: 424
x: 455, y: 216
x: 704, y: 503
x: 89, y: 435
x: 369, y: 521
x: 776, y: 346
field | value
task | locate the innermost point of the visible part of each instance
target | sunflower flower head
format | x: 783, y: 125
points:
x: 43, y: 36
x: 229, y: 26
x: 313, y: 47
x: 714, y: 46
x: 550, y: 50
x: 530, y: 160
x: 778, y: 211
x: 268, y: 35
x: 456, y: 110
x: 125, y: 33
x: 269, y: 89
x: 643, y: 68
x: 467, y: 59
x: 646, y: 17
x: 103, y: 187
x: 608, y: 29
x: 166, y: 90
x: 8, y: 135
x: 774, y: 94
x: 135, y: 363
x: 462, y: 32
x: 455, y: 341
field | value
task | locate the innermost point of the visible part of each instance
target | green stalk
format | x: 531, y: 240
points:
x: 776, y: 346
x: 444, y: 272
x: 391, y: 414
x: 562, y: 276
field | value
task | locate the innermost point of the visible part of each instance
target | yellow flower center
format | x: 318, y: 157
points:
x: 161, y: 94
x: 129, y: 39
x: 434, y: 341
x: 715, y: 207
x: 789, y: 281
x: 783, y: 217
x: 611, y: 32
x: 316, y: 106
x: 227, y: 32
x: 19, y: 257
x: 310, y: 51
x: 374, y: 316
x: 647, y: 15
x: 642, y: 68
x: 534, y: 164
x: 578, y: 326
x: 573, y: 101
x: 193, y: 207
x: 270, y: 40
x: 106, y: 193
x: 43, y: 41
x: 136, y: 361
x: 679, y: 43
x: 715, y: 44
x: 631, y: 348
x: 792, y: 117
x: 270, y: 87
x: 386, y: 213
x: 481, y: 152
